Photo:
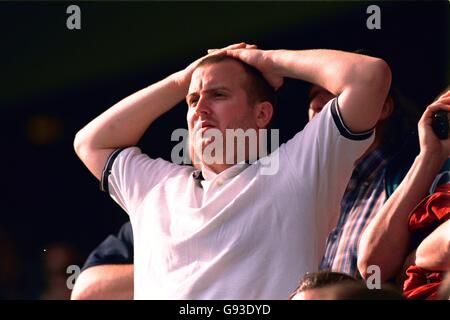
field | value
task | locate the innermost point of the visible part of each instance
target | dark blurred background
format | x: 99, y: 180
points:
x: 54, y: 80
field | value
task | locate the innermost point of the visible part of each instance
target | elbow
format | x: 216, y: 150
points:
x: 363, y: 260
x: 363, y: 265
x: 368, y: 267
x: 104, y: 282
x: 368, y: 263
x: 83, y: 292
x: 86, y: 286
x: 81, y: 295
x: 379, y: 75
x: 78, y: 143
x: 372, y: 74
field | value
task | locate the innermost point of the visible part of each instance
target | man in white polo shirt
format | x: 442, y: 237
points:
x: 222, y: 230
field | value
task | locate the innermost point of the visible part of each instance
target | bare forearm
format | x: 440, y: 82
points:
x: 125, y: 123
x: 332, y: 69
x: 434, y: 251
x: 360, y: 81
x: 385, y: 241
x: 105, y: 282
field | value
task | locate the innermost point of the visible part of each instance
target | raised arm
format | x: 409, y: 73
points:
x: 125, y: 123
x: 385, y: 241
x: 361, y: 82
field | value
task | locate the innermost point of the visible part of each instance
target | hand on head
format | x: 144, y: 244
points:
x: 250, y: 54
x: 183, y: 77
x: 241, y: 45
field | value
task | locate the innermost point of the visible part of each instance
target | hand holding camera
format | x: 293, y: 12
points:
x: 441, y: 124
x: 434, y: 127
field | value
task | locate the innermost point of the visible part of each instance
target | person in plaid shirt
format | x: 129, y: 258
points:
x: 374, y: 178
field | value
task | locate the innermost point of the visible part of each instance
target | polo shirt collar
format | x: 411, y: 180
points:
x: 209, y: 175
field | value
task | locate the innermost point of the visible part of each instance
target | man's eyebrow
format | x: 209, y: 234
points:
x: 217, y: 88
x: 207, y: 90
x: 191, y: 95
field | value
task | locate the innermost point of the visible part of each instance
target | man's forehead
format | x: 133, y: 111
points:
x: 222, y: 74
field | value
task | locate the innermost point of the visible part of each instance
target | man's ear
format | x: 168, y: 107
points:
x: 263, y: 112
x: 388, y: 108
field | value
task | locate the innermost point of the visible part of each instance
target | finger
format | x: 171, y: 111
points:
x: 217, y: 52
x: 445, y: 99
x: 234, y: 46
x: 234, y: 52
x: 445, y: 94
x: 440, y: 105
x: 428, y: 115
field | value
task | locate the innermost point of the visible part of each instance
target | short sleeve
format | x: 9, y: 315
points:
x: 325, y: 143
x: 322, y: 157
x: 130, y: 175
x: 115, y: 249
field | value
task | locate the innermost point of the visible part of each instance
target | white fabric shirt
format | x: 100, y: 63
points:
x: 239, y: 234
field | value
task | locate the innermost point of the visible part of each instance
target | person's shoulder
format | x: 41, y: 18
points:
x: 126, y: 235
x: 126, y: 231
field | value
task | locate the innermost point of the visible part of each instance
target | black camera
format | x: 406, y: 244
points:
x: 441, y: 124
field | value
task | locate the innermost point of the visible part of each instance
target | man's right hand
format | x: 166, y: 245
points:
x: 183, y: 77
x: 261, y: 60
x: 430, y: 144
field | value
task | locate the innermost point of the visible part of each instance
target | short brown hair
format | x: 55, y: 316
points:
x: 350, y: 290
x: 258, y: 89
x: 321, y: 279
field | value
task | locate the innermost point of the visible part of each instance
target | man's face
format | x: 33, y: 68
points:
x: 318, y: 98
x: 217, y: 99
